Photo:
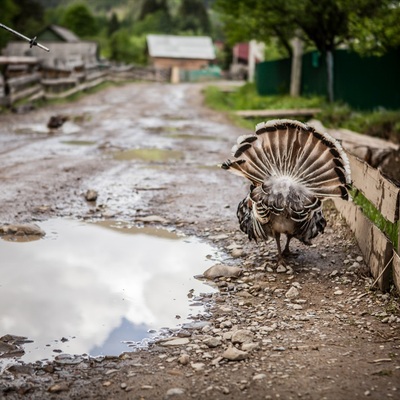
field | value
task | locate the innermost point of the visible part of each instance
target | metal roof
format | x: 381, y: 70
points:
x: 190, y: 47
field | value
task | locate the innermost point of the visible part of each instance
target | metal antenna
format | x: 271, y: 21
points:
x: 32, y: 42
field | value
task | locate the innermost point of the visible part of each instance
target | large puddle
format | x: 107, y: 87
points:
x: 99, y: 288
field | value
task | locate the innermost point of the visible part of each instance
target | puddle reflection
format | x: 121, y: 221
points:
x: 97, y: 285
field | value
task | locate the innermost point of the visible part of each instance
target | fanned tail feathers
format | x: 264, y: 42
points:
x: 289, y: 155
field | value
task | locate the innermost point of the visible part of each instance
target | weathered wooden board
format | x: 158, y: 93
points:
x: 376, y: 248
x: 308, y: 112
x: 396, y: 271
x: 383, y: 194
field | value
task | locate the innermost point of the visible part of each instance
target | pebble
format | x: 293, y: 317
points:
x: 184, y: 359
x: 281, y: 269
x: 221, y: 270
x: 175, y: 392
x: 292, y: 293
x: 234, y: 354
x: 198, y: 366
x: 213, y: 341
x: 259, y: 377
x: 242, y: 336
x: 91, y: 195
x: 175, y: 342
x: 338, y: 292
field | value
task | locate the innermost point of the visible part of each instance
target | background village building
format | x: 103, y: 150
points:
x: 185, y: 52
x: 67, y: 53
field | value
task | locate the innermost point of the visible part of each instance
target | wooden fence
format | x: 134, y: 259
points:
x: 379, y: 252
x: 32, y: 86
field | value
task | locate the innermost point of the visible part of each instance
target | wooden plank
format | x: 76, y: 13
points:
x: 383, y: 194
x: 396, y: 271
x: 278, y: 113
x: 375, y: 247
x: 18, y: 60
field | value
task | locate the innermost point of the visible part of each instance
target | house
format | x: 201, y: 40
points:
x: 67, y: 52
x: 184, y: 52
x: 245, y: 56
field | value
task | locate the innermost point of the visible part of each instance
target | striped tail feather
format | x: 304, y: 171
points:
x: 286, y: 148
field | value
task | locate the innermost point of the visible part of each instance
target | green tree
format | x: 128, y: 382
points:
x: 325, y: 24
x: 79, y: 19
x: 113, y: 24
x: 153, y: 6
x: 193, y: 17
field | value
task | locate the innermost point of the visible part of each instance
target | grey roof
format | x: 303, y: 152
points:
x: 190, y: 47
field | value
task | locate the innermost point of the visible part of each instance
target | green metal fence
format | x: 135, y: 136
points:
x: 361, y: 82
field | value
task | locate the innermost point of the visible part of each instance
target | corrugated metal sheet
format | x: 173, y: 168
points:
x: 190, y: 47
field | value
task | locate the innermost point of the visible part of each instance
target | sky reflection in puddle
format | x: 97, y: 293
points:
x: 97, y: 285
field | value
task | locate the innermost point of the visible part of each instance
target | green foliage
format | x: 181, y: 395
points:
x: 113, y: 24
x: 127, y: 48
x: 79, y: 19
x: 380, y: 123
x: 246, y: 98
x: 193, y: 17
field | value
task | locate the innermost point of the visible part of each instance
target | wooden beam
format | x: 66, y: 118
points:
x: 375, y: 247
x: 278, y: 113
x: 396, y: 271
x: 383, y: 194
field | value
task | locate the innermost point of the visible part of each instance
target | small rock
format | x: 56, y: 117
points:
x: 198, y: 366
x: 213, y: 341
x: 184, y: 359
x: 152, y: 219
x: 58, y: 387
x: 236, y: 253
x: 250, y: 346
x: 242, y: 336
x: 281, y: 269
x: 338, y: 292
x: 219, y: 270
x: 21, y: 230
x: 259, y: 377
x: 292, y: 293
x: 234, y: 354
x: 174, y: 392
x: 175, y: 342
x: 91, y: 195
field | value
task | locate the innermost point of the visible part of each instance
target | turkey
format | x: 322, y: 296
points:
x: 292, y: 168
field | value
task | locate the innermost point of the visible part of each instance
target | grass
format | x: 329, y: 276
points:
x: 381, y: 123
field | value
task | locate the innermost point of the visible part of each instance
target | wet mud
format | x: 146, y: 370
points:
x: 105, y: 305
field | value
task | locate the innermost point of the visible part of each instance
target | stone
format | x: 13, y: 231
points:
x: 174, y: 392
x: 184, y: 359
x: 221, y: 270
x: 91, y: 195
x: 259, y: 377
x: 292, y: 293
x: 281, y: 269
x: 248, y: 347
x: 234, y: 354
x: 175, y: 342
x: 213, y: 341
x: 242, y: 336
x: 198, y: 366
x: 21, y: 230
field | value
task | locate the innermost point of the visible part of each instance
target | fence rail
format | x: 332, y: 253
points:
x: 379, y: 252
x: 32, y: 86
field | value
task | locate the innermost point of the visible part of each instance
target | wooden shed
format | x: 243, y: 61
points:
x: 185, y: 52
x: 67, y: 52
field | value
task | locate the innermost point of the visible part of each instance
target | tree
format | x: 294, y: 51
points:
x: 193, y: 17
x: 113, y: 24
x: 153, y: 6
x: 80, y: 20
x: 325, y: 24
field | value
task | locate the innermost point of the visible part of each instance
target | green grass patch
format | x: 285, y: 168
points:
x: 381, y: 123
x: 391, y: 230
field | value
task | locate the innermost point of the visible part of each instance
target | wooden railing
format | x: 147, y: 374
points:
x: 32, y: 86
x: 379, y: 252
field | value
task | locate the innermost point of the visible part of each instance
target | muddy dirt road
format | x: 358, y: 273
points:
x: 148, y: 153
